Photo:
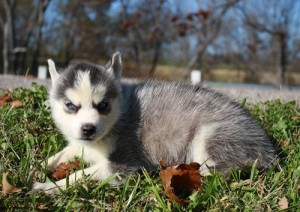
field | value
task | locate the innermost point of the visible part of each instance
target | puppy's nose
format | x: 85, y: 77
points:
x: 88, y: 129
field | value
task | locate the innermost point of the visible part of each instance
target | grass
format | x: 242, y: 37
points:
x: 28, y: 136
x: 227, y: 74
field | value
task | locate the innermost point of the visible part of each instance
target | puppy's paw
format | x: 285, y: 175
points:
x: 48, y: 187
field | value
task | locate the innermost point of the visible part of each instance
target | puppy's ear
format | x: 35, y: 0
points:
x: 116, y: 65
x: 53, y: 73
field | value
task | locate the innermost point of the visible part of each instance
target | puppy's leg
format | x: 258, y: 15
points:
x: 96, y: 172
x: 65, y: 155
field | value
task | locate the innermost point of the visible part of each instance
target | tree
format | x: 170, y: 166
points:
x: 276, y: 22
x: 15, y: 45
x: 80, y: 28
x: 8, y: 35
x: 147, y: 27
x: 206, y: 25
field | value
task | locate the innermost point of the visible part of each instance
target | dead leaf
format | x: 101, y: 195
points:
x: 16, y: 103
x: 4, y: 98
x: 295, y: 117
x: 284, y: 143
x: 42, y: 207
x: 180, y: 181
x: 7, y: 187
x: 64, y: 169
x: 283, y: 203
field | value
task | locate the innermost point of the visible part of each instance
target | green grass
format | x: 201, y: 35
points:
x: 28, y: 136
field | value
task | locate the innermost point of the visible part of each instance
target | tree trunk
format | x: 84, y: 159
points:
x: 38, y: 35
x: 25, y: 40
x: 155, y: 58
x: 282, y: 60
x: 8, y: 37
x: 5, y: 49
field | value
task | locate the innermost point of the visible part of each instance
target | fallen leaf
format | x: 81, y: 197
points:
x: 180, y: 181
x: 64, y: 169
x: 284, y: 143
x: 295, y: 117
x: 283, y: 203
x: 7, y: 187
x: 42, y: 207
x: 16, y: 103
x: 4, y: 98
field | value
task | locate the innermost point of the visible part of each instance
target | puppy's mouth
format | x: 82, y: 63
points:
x: 87, y: 139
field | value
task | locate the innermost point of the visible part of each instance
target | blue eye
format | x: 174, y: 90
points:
x: 102, y: 106
x: 71, y: 106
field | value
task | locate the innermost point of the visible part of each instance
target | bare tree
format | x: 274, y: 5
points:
x: 276, y: 22
x: 15, y: 45
x: 8, y: 35
x: 146, y: 25
x: 206, y: 25
x: 81, y: 27
x: 41, y: 8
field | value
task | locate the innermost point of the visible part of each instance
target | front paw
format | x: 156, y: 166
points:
x: 48, y: 187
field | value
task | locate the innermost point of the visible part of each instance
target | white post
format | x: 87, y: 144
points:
x: 42, y: 72
x: 196, y: 77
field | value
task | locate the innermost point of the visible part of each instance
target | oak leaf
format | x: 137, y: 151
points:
x: 64, y: 169
x: 283, y: 203
x: 180, y: 181
x: 5, y: 98
x: 16, y: 103
x: 7, y: 188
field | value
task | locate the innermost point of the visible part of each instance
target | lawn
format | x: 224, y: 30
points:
x: 28, y: 136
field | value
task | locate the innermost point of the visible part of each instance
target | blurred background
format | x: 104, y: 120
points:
x: 241, y: 41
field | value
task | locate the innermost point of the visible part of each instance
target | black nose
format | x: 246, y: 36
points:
x: 88, y: 130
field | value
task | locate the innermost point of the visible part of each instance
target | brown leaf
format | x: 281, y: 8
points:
x: 181, y: 181
x: 7, y: 187
x: 163, y: 164
x: 64, y: 169
x: 4, y: 98
x: 284, y: 143
x: 16, y: 103
x: 204, y: 14
x: 42, y: 207
x: 283, y: 203
x: 295, y: 117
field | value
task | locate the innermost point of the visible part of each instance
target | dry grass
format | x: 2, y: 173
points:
x: 227, y: 75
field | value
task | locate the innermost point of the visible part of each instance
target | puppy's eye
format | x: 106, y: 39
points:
x: 102, y: 106
x: 71, y: 107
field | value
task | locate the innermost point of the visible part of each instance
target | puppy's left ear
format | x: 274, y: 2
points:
x: 116, y: 65
x: 52, y: 69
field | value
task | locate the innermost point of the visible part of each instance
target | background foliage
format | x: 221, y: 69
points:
x: 254, y: 37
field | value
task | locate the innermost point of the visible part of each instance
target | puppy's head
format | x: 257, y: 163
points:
x: 85, y: 98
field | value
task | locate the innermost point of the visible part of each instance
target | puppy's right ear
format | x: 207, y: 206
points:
x: 53, y: 73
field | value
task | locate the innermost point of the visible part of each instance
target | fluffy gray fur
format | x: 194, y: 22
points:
x: 160, y: 119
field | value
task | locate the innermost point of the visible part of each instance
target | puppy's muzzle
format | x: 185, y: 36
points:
x: 88, y: 131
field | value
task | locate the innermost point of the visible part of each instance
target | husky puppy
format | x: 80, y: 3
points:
x: 120, y: 125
